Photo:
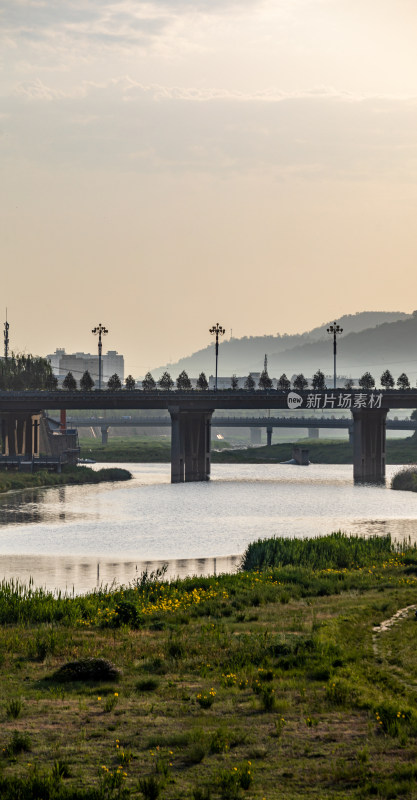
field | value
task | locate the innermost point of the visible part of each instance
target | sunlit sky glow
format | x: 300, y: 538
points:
x: 167, y: 165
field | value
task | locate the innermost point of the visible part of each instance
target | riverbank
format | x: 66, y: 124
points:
x: 12, y: 480
x: 292, y: 681
x: 406, y: 480
x: 148, y: 449
x: 128, y: 450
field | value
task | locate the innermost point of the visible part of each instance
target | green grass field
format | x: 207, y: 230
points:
x: 322, y: 451
x: 131, y: 449
x: 282, y: 683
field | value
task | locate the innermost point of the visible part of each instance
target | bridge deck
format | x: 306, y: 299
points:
x: 296, y: 421
x: 198, y: 400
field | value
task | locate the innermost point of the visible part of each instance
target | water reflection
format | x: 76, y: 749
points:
x: 71, y: 575
x: 85, y: 536
x: 17, y: 507
x: 34, y: 506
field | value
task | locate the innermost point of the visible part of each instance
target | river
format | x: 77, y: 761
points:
x: 75, y: 538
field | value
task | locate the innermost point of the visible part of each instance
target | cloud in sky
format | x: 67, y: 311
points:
x: 127, y: 125
x: 114, y: 24
x: 169, y: 136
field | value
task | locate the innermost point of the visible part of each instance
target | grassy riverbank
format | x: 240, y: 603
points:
x: 70, y: 475
x: 405, y: 480
x: 322, y: 451
x: 134, y: 449
x: 283, y: 683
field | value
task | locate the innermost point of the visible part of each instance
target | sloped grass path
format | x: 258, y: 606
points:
x: 298, y: 705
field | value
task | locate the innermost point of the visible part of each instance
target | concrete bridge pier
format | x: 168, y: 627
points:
x: 104, y: 434
x: 269, y: 435
x: 369, y: 436
x: 190, y: 444
x: 20, y: 434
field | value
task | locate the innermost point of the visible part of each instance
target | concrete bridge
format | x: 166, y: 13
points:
x: 313, y: 424
x: 191, y: 415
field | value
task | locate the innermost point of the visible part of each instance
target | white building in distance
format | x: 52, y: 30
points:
x: 77, y: 363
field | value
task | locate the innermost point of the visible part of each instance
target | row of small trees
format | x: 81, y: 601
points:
x: 299, y: 383
x: 386, y: 380
x: 86, y: 382
x: 367, y: 381
x: 183, y: 382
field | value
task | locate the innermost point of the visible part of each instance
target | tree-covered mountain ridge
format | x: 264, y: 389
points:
x: 369, y: 340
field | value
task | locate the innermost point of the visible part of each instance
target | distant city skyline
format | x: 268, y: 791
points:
x: 170, y: 165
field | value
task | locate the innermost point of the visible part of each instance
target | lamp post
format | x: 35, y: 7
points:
x: 101, y: 331
x: 334, y: 329
x: 217, y: 331
x: 6, y: 339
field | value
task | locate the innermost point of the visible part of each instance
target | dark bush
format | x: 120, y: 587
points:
x: 87, y: 669
x: 147, y: 685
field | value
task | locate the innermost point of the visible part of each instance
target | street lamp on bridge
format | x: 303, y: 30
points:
x: 100, y: 330
x: 334, y: 329
x: 217, y: 331
x: 6, y: 339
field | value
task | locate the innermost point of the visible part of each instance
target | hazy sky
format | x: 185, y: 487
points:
x: 169, y: 164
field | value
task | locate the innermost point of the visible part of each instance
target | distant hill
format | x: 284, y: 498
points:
x: 305, y: 352
x: 391, y: 345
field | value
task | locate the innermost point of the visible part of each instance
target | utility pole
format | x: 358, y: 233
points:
x: 6, y: 339
x: 334, y: 329
x: 100, y: 330
x: 217, y: 331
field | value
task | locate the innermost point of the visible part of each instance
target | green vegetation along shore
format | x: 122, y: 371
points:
x: 133, y: 449
x: 297, y: 680
x: 322, y: 451
x: 12, y: 480
x: 406, y: 480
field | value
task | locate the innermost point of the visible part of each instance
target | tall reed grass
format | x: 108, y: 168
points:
x: 335, y: 551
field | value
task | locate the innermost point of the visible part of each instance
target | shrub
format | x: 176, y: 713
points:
x: 395, y: 721
x: 176, y: 649
x: 405, y: 480
x: 111, y: 702
x: 229, y: 785
x: 267, y: 697
x: 155, y: 665
x: 19, y: 743
x: 43, y: 644
x: 14, y: 708
x: 150, y: 787
x: 206, y: 699
x: 87, y: 669
x: 147, y: 685
x: 60, y: 770
x: 230, y: 782
x: 220, y: 741
x: 201, y: 794
x: 338, y: 692
x: 126, y: 614
x: 196, y: 753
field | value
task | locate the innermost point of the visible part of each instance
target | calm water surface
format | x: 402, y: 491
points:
x: 78, y: 537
